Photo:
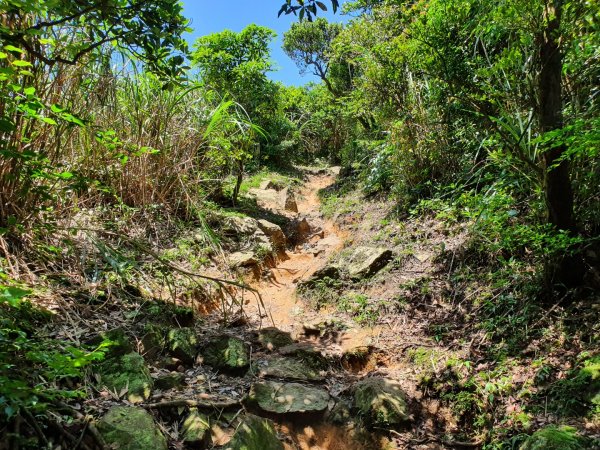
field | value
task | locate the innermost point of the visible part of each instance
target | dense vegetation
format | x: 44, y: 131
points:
x: 115, y: 136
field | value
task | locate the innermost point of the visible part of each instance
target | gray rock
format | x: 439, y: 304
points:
x: 240, y: 225
x: 274, y: 233
x: 267, y: 198
x: 366, y: 261
x: 129, y: 428
x: 242, y: 259
x: 196, y: 428
x: 255, y: 433
x: 288, y: 369
x: 381, y: 402
x: 126, y: 372
x: 227, y: 353
x: 282, y: 398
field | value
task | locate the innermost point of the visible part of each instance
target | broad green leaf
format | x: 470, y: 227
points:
x: 13, y: 295
x: 21, y: 63
x: 12, y: 48
x: 6, y: 125
x: 49, y: 120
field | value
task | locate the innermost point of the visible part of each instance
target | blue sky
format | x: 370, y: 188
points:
x: 210, y: 16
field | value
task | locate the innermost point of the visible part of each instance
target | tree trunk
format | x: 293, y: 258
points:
x: 238, y: 182
x: 568, y: 270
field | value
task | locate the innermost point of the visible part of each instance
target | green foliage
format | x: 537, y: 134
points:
x: 65, y: 32
x: 554, y: 438
x: 308, y: 44
x: 33, y: 370
x: 322, y: 292
x: 306, y: 8
x: 363, y: 310
x: 579, y: 392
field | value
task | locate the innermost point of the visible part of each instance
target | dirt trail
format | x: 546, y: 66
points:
x: 290, y: 314
x: 279, y: 290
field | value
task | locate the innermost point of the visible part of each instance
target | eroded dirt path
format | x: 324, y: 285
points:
x: 278, y: 291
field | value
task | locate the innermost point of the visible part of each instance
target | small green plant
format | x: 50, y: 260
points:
x: 363, y: 310
x: 34, y: 371
x: 319, y: 293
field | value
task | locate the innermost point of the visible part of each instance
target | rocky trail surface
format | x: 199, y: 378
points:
x: 266, y: 367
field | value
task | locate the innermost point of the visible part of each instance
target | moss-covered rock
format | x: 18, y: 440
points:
x: 282, y: 398
x: 227, y: 354
x: 255, y: 433
x: 181, y: 343
x: 196, y: 428
x: 273, y: 338
x: 380, y: 402
x: 129, y: 428
x: 126, y: 371
x: 153, y: 341
x: 554, y: 438
x: 173, y: 380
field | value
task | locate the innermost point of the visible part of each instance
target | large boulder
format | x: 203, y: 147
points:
x: 130, y: 428
x: 274, y: 233
x: 227, y: 354
x: 129, y: 372
x: 554, y: 438
x: 366, y: 261
x: 288, y: 369
x: 381, y: 402
x: 255, y: 433
x: 196, y: 429
x: 282, y: 398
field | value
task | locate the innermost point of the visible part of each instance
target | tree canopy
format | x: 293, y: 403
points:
x: 64, y: 31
